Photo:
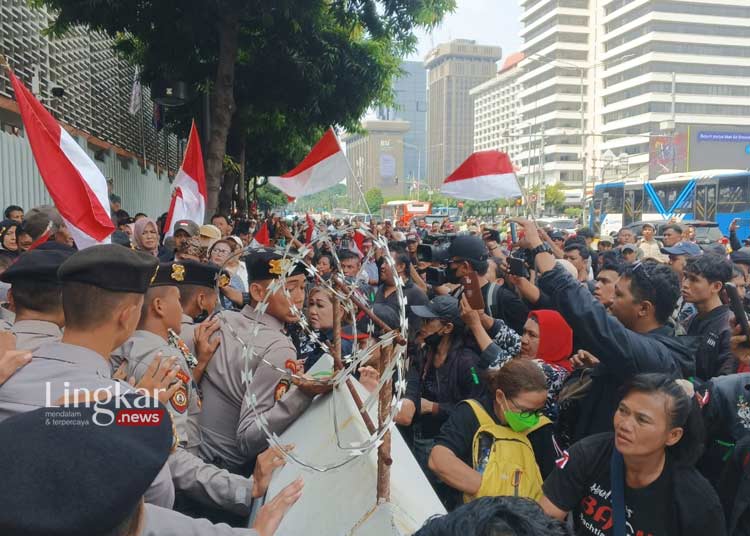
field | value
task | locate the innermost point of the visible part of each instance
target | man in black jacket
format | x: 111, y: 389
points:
x: 633, y: 339
x: 705, y: 276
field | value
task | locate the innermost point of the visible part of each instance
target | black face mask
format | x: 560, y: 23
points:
x: 433, y: 341
x: 451, y: 276
x: 201, y: 317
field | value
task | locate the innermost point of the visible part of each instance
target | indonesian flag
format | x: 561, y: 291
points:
x: 77, y: 187
x: 263, y: 237
x: 310, y: 228
x: 190, y: 193
x: 325, y: 166
x: 483, y: 176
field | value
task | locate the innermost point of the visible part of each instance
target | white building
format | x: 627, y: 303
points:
x: 621, y: 55
x: 496, y: 114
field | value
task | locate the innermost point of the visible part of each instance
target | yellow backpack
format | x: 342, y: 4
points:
x: 511, y: 468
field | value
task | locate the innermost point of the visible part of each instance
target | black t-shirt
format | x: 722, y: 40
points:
x: 457, y: 434
x: 583, y: 486
x: 506, y: 306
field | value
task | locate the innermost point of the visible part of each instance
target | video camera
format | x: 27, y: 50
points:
x: 434, y: 249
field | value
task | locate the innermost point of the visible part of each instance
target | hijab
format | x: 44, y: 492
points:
x: 138, y: 229
x: 5, y: 227
x: 555, y: 338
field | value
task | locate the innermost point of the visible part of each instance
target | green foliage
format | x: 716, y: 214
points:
x: 554, y: 196
x: 271, y: 198
x: 324, y: 201
x: 374, y: 200
x: 573, y: 212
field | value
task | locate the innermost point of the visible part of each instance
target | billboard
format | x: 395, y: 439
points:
x: 699, y: 147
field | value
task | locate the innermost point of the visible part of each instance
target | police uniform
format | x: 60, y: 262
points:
x: 58, y: 367
x: 198, y: 480
x: 37, y: 267
x: 187, y: 332
x: 201, y: 275
x: 231, y: 437
x: 6, y: 319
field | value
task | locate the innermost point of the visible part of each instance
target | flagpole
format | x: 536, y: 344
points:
x: 354, y: 176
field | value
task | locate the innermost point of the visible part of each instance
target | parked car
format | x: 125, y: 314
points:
x: 559, y: 224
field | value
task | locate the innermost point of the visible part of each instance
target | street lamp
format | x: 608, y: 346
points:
x: 419, y: 161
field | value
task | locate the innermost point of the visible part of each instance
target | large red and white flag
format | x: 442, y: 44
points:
x: 325, y: 166
x: 190, y: 193
x: 76, y: 185
x: 483, y: 176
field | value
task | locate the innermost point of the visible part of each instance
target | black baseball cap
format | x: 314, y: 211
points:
x: 443, y: 307
x: 468, y: 247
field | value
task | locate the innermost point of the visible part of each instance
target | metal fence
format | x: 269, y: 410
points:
x: 21, y: 184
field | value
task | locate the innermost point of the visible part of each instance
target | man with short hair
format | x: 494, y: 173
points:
x: 649, y: 246
x: 14, y: 212
x: 386, y: 292
x: 232, y: 439
x: 605, y: 243
x: 625, y: 236
x: 197, y: 483
x: 629, y: 253
x: 198, y: 298
x: 370, y: 263
x: 704, y: 279
x: 223, y: 223
x: 578, y: 254
x: 183, y: 230
x: 634, y: 338
x: 36, y: 297
x: 606, y: 279
x: 671, y: 234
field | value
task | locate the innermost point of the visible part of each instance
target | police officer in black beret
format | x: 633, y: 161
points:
x: 36, y: 297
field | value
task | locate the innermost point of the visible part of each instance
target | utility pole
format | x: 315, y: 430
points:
x: 674, y: 121
x: 583, y: 144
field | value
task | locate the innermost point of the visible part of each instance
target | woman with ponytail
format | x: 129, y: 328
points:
x: 639, y: 479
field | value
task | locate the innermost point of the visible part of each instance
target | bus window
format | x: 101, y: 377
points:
x: 668, y: 194
x: 734, y: 195
x: 612, y: 200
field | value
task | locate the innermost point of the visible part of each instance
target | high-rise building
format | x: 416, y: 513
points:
x: 496, y: 114
x: 630, y: 60
x: 377, y: 159
x: 410, y: 105
x: 452, y: 70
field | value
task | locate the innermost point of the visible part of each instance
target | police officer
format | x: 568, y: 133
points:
x: 36, y: 297
x: 102, y: 294
x: 231, y: 438
x: 198, y: 297
x: 197, y: 480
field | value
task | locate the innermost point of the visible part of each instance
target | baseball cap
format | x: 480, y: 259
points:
x: 628, y: 247
x: 468, y: 247
x: 741, y: 256
x: 606, y: 239
x: 189, y: 226
x: 683, y: 248
x: 412, y: 237
x: 443, y: 307
x: 650, y: 225
x: 556, y: 235
x: 210, y: 231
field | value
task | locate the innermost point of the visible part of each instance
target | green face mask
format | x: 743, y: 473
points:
x: 520, y: 423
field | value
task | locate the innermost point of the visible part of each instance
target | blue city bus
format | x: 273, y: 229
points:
x: 713, y: 195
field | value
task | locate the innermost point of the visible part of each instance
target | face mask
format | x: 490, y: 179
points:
x: 520, y: 423
x: 451, y: 276
x: 433, y: 340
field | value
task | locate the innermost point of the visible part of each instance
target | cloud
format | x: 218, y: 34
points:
x: 488, y: 22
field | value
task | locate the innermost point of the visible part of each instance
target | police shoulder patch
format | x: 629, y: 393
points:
x: 179, y: 399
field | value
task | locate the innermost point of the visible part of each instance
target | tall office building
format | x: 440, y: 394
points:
x: 377, y: 159
x: 621, y: 54
x: 496, y: 110
x: 452, y: 70
x: 410, y: 105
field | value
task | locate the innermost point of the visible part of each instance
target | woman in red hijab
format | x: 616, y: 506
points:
x: 548, y: 339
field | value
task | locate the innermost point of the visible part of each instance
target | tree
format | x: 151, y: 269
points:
x: 285, y: 70
x: 271, y: 198
x: 374, y: 200
x: 554, y: 197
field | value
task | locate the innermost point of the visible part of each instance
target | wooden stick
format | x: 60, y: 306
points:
x: 384, y: 450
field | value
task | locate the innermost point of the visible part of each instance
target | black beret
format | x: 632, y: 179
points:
x: 36, y: 265
x: 62, y: 478
x: 263, y: 264
x: 186, y: 273
x: 110, y: 267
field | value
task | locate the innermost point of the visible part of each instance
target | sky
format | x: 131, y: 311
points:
x: 489, y: 22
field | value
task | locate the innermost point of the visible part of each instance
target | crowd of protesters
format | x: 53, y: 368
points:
x: 564, y: 383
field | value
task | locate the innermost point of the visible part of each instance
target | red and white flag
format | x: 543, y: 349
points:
x: 76, y: 185
x: 190, y: 193
x: 483, y: 176
x: 325, y: 166
x: 310, y: 231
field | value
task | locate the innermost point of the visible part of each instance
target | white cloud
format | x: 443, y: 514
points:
x: 489, y: 22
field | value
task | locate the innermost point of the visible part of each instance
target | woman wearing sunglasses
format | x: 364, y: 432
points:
x: 499, y: 444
